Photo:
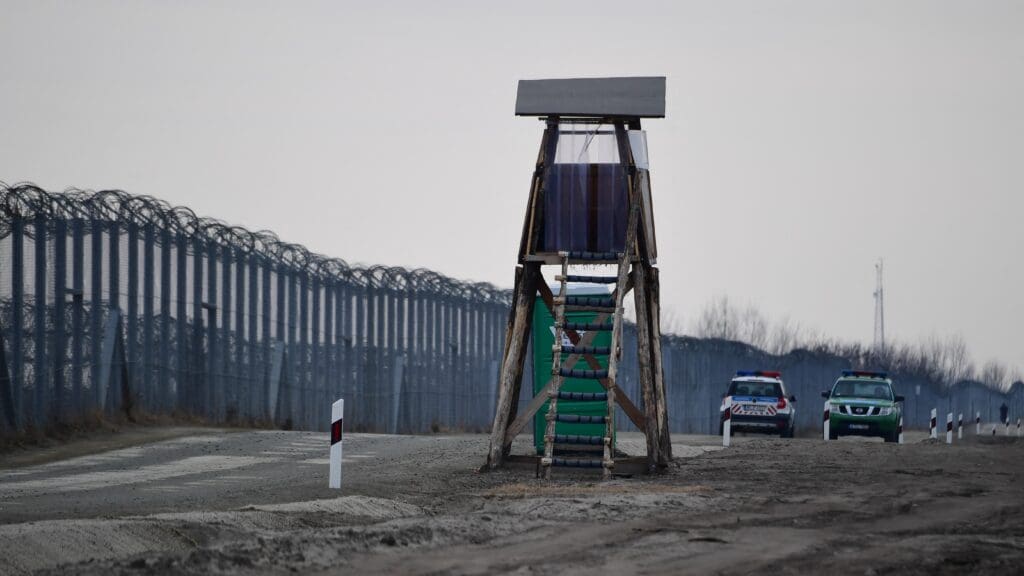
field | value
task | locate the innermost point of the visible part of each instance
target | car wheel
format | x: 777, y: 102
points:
x: 833, y: 435
x: 892, y: 437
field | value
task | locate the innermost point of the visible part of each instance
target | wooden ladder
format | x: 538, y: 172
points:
x: 604, y: 306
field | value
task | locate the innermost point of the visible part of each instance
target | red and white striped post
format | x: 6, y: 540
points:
x: 899, y: 431
x: 727, y: 423
x: 977, y: 423
x: 934, y: 433
x: 960, y: 427
x: 337, y: 415
x: 949, y: 428
x: 825, y: 424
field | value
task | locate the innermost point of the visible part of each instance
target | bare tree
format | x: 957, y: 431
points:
x: 994, y: 374
x: 718, y: 320
x: 784, y: 337
x: 942, y: 359
x: 753, y: 327
x: 1016, y: 375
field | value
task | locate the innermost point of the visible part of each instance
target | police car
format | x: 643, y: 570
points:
x: 758, y: 402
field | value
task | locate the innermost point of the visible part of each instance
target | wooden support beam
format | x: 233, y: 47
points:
x: 526, y: 241
x: 654, y: 299
x: 645, y: 372
x: 512, y: 365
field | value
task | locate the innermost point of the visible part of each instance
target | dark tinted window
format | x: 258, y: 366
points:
x: 771, y: 389
x: 862, y: 389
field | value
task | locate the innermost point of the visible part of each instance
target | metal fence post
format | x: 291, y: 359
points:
x: 302, y: 414
x: 163, y: 382
x: 144, y: 375
x: 242, y: 375
x: 133, y: 301
x: 294, y: 381
x: 264, y: 346
x: 194, y: 391
x: 184, y: 342
x: 17, y: 312
x: 226, y: 397
x: 314, y: 398
x: 40, y: 369
x: 95, y: 307
x: 60, y: 293
x: 77, y: 326
x: 213, y: 393
x: 358, y: 358
x: 327, y: 347
x: 280, y: 312
x: 343, y: 339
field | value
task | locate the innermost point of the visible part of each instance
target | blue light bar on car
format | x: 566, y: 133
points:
x: 764, y: 373
x: 865, y: 374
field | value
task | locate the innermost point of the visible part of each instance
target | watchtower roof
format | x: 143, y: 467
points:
x: 635, y: 97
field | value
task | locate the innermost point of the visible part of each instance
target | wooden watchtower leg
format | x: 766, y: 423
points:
x: 654, y: 297
x: 646, y: 372
x: 516, y: 338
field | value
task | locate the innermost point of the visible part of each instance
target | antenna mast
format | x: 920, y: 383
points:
x: 879, y: 310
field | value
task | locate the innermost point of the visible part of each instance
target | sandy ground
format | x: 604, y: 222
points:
x: 256, y: 502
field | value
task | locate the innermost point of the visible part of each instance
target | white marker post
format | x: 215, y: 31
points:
x: 337, y: 414
x: 825, y: 428
x: 727, y: 424
x: 977, y: 423
x: 899, y: 431
x: 1007, y: 426
x: 949, y: 428
x: 960, y: 427
x: 934, y: 433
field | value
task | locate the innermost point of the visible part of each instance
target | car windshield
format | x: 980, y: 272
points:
x: 862, y: 389
x: 771, y: 389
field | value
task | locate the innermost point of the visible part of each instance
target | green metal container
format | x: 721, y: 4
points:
x: 543, y: 340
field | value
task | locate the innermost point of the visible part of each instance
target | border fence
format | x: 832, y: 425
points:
x: 111, y: 302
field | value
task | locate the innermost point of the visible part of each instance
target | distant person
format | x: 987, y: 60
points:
x: 1004, y: 413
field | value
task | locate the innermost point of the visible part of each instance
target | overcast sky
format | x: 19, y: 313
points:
x: 803, y: 140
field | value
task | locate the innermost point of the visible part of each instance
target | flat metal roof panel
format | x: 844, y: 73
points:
x: 637, y: 97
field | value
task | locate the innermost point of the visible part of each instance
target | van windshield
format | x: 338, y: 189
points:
x: 862, y: 389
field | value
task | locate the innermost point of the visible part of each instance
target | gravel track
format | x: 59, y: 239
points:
x: 256, y: 502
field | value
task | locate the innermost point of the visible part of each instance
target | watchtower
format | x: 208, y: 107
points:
x: 589, y: 205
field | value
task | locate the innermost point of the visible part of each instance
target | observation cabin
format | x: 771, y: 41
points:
x: 593, y: 143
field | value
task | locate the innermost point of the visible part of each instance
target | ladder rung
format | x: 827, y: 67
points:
x: 577, y: 463
x: 579, y: 255
x: 574, y: 373
x: 595, y: 301
x: 583, y: 396
x: 580, y: 419
x: 577, y: 439
x: 592, y: 279
x: 585, y: 326
x: 586, y: 350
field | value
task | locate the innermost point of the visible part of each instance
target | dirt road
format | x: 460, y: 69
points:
x: 257, y: 502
